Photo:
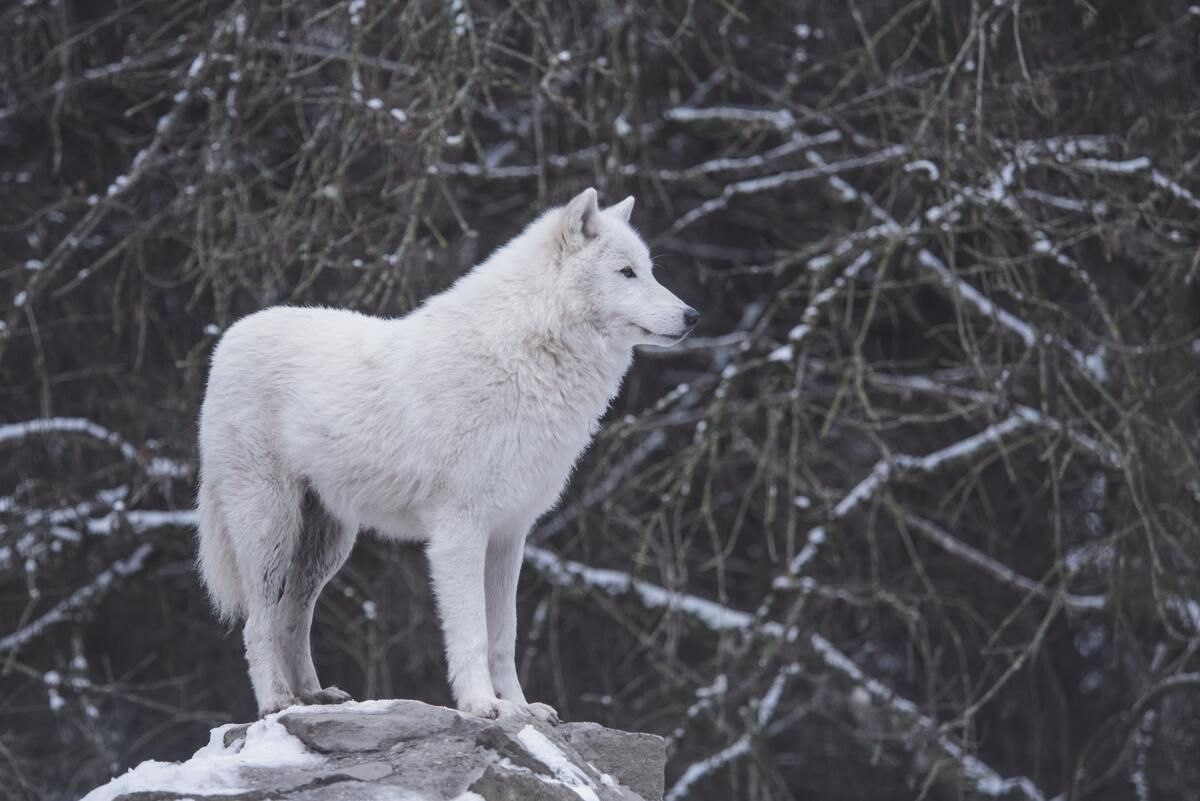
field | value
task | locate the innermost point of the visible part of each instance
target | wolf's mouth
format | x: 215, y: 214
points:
x: 650, y: 333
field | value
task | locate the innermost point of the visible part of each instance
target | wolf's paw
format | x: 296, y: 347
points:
x: 330, y: 695
x: 543, y: 712
x: 490, y: 708
x: 278, y: 704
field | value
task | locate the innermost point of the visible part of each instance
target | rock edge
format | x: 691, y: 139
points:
x: 403, y: 751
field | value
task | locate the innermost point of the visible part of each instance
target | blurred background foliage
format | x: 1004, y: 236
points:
x: 912, y: 515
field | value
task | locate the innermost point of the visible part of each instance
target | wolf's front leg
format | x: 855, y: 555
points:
x: 457, y: 552
x: 504, y: 557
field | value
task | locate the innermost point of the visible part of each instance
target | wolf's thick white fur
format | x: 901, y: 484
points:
x: 457, y: 425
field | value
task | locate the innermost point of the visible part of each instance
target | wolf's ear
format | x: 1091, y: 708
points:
x: 621, y: 210
x: 580, y: 219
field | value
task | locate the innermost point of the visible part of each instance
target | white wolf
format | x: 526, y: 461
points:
x: 458, y: 425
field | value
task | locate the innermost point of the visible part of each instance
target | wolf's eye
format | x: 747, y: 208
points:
x: 629, y: 273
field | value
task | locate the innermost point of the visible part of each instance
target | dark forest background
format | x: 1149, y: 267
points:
x: 912, y: 515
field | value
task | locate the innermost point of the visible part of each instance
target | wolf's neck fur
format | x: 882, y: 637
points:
x: 529, y: 330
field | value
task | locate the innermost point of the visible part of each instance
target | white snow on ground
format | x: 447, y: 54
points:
x: 215, y: 769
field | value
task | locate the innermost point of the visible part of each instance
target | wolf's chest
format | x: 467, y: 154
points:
x: 530, y: 451
x: 544, y: 441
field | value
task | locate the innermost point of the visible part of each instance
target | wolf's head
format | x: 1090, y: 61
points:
x: 607, y: 267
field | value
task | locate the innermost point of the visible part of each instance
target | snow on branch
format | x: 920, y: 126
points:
x: 83, y: 597
x: 694, y: 344
x: 1107, y: 455
x: 766, y: 705
x: 919, y: 733
x: 492, y: 169
x: 61, y: 523
x: 795, y: 144
x: 975, y: 299
x: 141, y: 520
x: 964, y: 448
x: 156, y: 466
x: 891, y: 467
x: 1139, y: 164
x: 55, y: 425
x: 565, y: 573
x: 808, y: 317
x: 1163, y: 182
x: 139, y: 167
x: 998, y: 570
x: 767, y: 183
x: 954, y: 286
x: 698, y: 770
x: 138, y: 521
x: 776, y: 118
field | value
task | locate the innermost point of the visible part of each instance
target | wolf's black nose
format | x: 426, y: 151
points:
x: 690, y: 316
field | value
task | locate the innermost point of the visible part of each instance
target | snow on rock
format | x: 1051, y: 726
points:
x: 403, y: 750
x: 217, y: 768
x: 565, y: 772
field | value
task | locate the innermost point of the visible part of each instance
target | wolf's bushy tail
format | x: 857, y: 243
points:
x: 218, y: 567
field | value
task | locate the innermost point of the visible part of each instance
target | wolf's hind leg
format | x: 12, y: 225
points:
x: 325, y: 544
x: 264, y: 521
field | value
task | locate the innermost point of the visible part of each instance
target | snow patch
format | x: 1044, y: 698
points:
x: 549, y: 754
x: 215, y: 768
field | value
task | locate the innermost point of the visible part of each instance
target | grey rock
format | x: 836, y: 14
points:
x: 334, y: 732
x: 406, y: 751
x: 637, y: 758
